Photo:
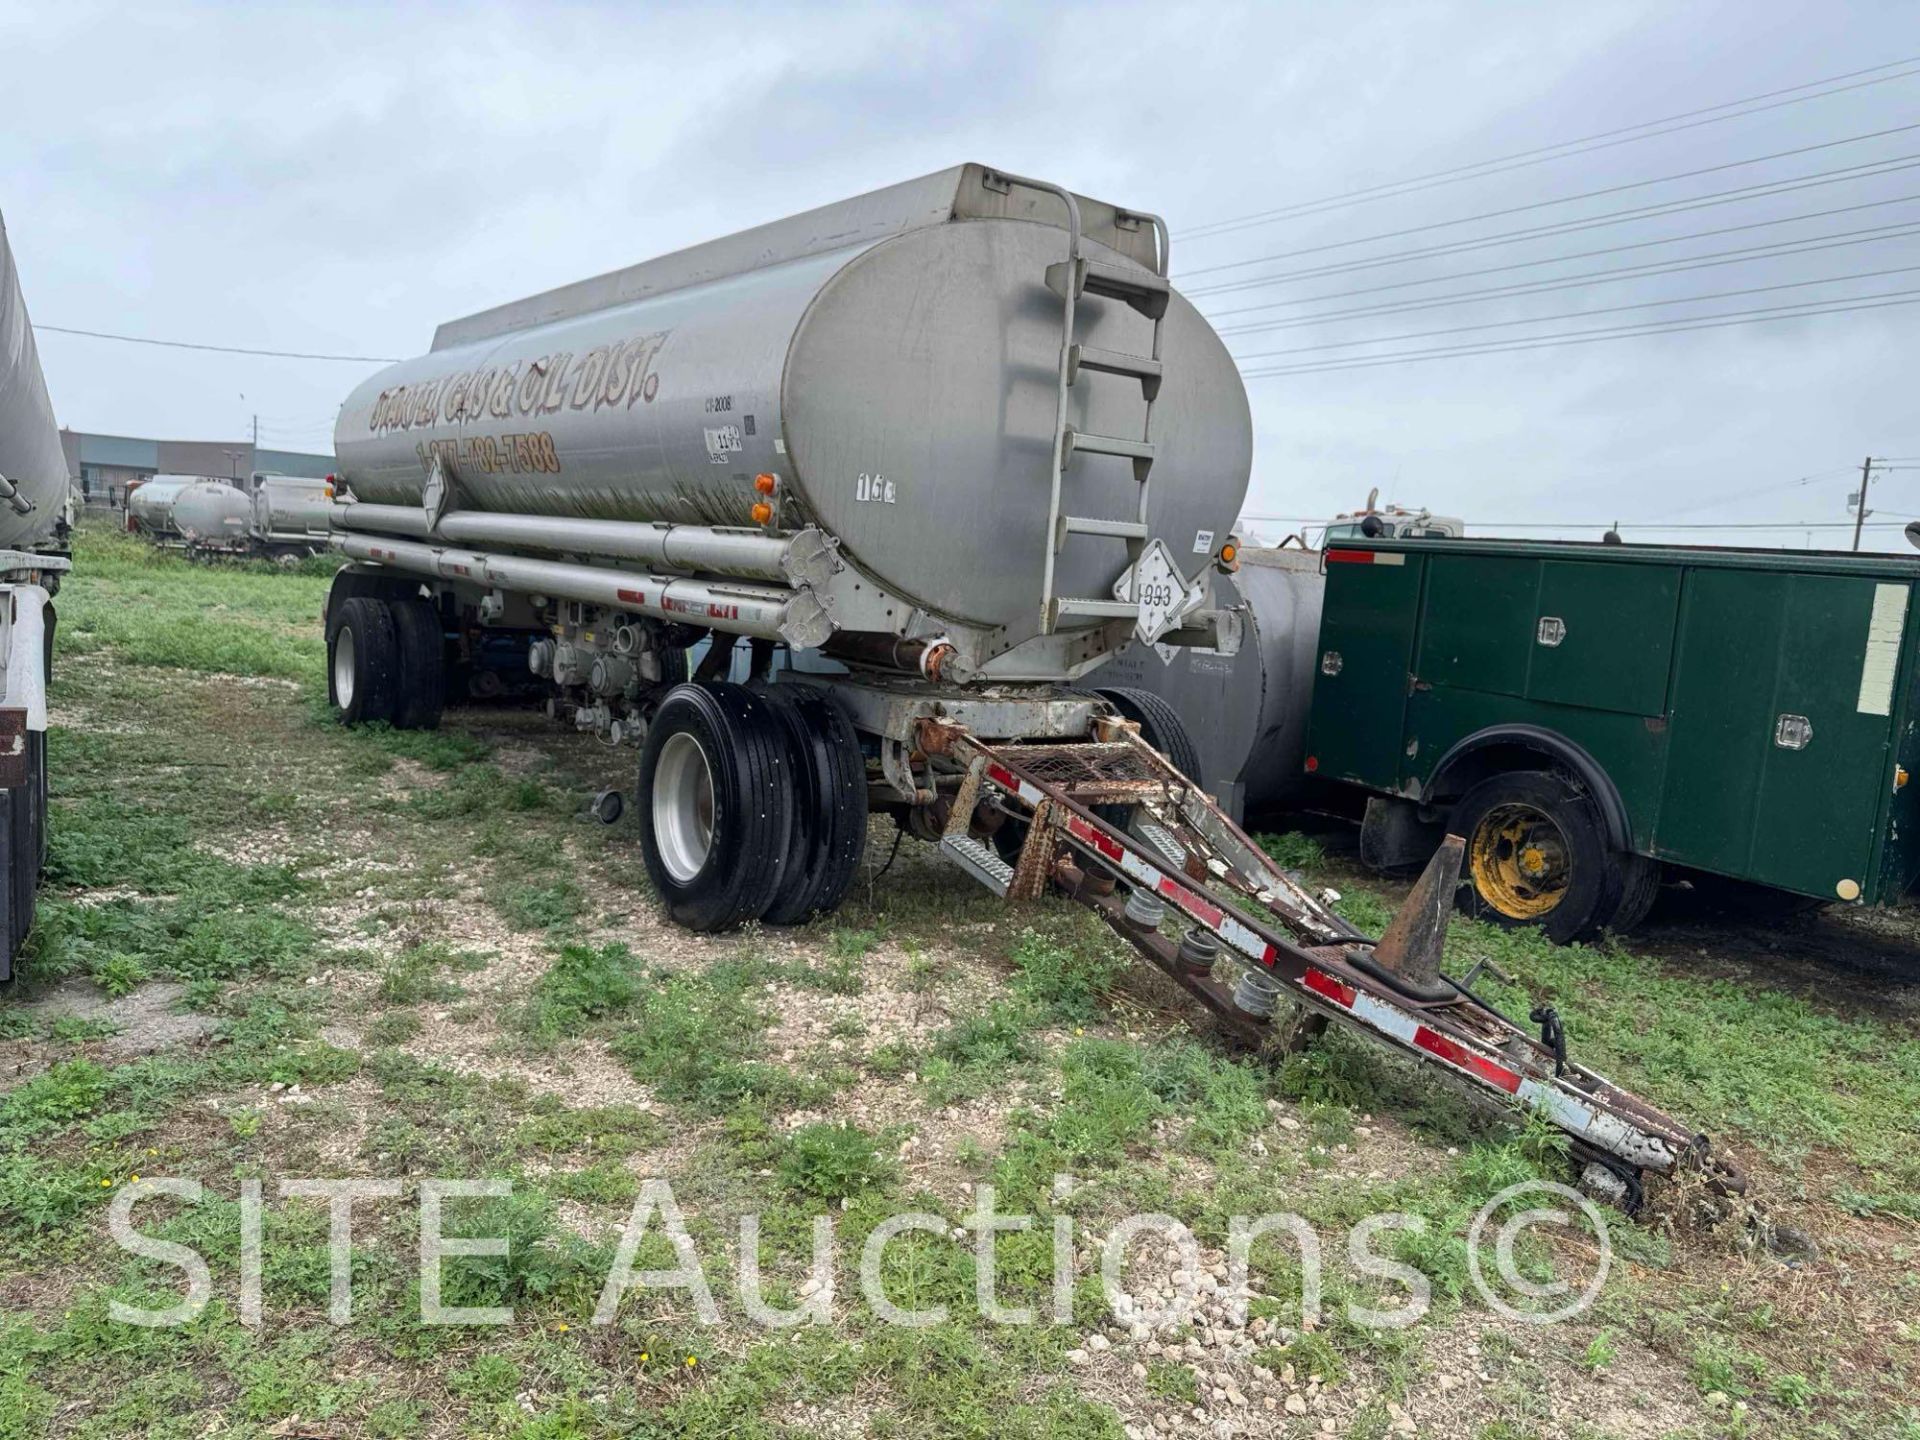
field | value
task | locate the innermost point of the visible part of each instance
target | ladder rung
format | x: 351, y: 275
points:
x: 1142, y: 289
x: 1066, y: 605
x: 1115, y: 362
x: 1119, y: 529
x: 1129, y: 530
x: 1138, y: 451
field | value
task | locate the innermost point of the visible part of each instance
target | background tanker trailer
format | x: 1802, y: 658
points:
x: 35, y: 499
x: 213, y: 517
x: 150, y: 505
x: 932, y: 433
x: 290, y: 515
x: 1246, y: 712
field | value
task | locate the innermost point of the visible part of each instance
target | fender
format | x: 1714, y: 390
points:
x: 1552, y: 746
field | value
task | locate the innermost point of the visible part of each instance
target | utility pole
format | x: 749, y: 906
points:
x: 1860, y: 510
x: 255, y: 461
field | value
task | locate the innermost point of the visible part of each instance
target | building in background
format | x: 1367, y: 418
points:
x: 104, y: 465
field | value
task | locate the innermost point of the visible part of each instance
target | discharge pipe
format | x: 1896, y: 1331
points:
x: 805, y: 557
x: 796, y: 617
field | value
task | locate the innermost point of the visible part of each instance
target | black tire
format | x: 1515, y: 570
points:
x: 1573, y: 883
x: 422, y: 678
x: 1160, y: 726
x: 716, y: 805
x: 1639, y: 888
x: 829, y: 827
x: 363, y: 658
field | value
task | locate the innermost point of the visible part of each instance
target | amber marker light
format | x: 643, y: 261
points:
x: 765, y: 483
x: 762, y: 512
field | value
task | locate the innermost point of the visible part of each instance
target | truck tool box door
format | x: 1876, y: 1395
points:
x: 1366, y: 651
x: 1781, y: 721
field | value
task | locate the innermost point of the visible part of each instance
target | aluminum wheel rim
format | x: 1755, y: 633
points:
x: 683, y: 807
x: 343, y: 668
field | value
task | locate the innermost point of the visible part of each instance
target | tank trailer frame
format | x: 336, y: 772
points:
x: 1180, y: 853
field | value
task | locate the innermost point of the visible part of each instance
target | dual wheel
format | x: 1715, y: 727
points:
x: 753, y: 805
x: 1538, y: 855
x: 386, y: 661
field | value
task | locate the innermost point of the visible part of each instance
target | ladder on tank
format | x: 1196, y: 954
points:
x: 1254, y: 938
x: 1084, y: 272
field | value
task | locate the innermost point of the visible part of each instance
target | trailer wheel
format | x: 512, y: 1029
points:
x: 422, y: 675
x: 716, y: 807
x: 1160, y: 726
x: 362, y: 658
x: 1536, y: 855
x: 829, y: 833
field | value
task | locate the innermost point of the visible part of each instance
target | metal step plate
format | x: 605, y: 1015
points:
x: 979, y: 860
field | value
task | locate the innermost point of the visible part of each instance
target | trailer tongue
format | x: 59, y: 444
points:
x: 1178, y: 851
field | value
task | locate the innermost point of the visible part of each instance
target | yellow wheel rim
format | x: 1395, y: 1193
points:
x: 1519, y: 861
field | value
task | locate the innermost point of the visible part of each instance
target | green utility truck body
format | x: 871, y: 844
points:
x: 1746, y: 713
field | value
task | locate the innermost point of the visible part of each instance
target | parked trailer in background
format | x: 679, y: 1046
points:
x: 150, y: 505
x: 213, y: 517
x: 35, y: 498
x: 1246, y: 711
x: 290, y: 515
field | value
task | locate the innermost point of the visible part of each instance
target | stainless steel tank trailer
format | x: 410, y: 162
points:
x: 956, y: 442
x: 150, y: 505
x: 290, y: 516
x: 929, y: 433
x: 35, y: 523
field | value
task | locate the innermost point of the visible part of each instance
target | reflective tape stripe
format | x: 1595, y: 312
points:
x: 1327, y: 987
x: 1454, y: 1053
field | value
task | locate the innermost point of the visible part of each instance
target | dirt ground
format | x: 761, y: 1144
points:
x: 272, y: 949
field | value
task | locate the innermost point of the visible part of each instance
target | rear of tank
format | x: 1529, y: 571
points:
x: 212, y: 514
x: 1247, y: 712
x: 903, y: 390
x: 150, y: 503
x: 290, y: 506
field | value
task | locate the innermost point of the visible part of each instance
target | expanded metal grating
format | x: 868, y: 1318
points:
x: 1070, y: 765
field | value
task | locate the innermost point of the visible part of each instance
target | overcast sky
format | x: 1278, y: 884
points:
x: 341, y: 177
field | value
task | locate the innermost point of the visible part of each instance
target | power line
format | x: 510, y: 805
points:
x: 1582, y: 314
x: 1570, y: 256
x: 1501, y: 164
x: 1711, y: 260
x: 218, y: 349
x: 1762, y: 190
x: 1583, y: 337
x: 1549, y: 204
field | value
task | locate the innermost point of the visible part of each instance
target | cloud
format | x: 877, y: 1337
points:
x: 346, y: 176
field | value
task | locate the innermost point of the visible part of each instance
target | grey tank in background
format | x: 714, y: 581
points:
x: 33, y: 500
x: 213, y: 515
x: 291, y: 508
x: 150, y: 503
x: 1247, y: 713
x: 891, y: 358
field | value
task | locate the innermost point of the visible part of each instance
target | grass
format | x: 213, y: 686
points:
x: 326, y: 901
